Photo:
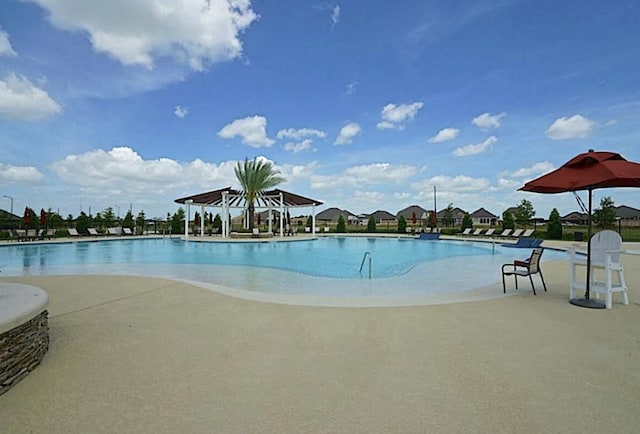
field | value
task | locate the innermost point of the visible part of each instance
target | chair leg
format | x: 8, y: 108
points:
x: 515, y: 278
x: 544, y: 285
x: 532, y: 287
x: 504, y: 287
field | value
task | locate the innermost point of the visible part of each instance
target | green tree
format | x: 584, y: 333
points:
x: 127, y: 222
x: 177, y: 221
x: 54, y: 220
x: 371, y: 224
x: 109, y: 217
x: 140, y: 222
x: 507, y: 220
x: 605, y: 216
x: 447, y: 219
x: 98, y: 220
x: 217, y: 223
x: 402, y: 225
x: 554, y: 227
x: 341, y: 228
x: 83, y: 222
x: 524, y: 212
x: 256, y: 176
x: 309, y: 221
x: 467, y: 222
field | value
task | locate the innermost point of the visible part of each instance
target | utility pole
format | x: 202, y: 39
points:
x: 11, y: 199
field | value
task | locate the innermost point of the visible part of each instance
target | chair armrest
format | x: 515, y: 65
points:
x: 524, y: 263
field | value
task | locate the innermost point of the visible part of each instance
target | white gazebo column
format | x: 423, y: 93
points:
x: 202, y: 221
x: 313, y: 219
x: 186, y: 219
x: 225, y: 219
x: 281, y: 216
x: 270, y: 218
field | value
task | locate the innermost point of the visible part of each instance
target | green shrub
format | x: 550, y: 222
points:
x: 402, y: 225
x: 341, y: 228
x: 554, y: 227
x: 371, y: 224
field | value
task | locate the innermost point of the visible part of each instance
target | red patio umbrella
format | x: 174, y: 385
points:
x: 26, y: 219
x: 43, y: 218
x: 588, y: 171
x: 413, y: 218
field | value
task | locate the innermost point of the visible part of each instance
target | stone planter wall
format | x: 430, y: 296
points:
x: 22, y: 349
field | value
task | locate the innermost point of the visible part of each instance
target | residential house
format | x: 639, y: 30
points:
x: 483, y: 217
x: 382, y: 217
x: 628, y: 216
x: 331, y: 216
x: 456, y: 213
x: 575, y: 218
x: 414, y: 214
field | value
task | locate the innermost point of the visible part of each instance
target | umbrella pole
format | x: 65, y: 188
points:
x: 586, y: 301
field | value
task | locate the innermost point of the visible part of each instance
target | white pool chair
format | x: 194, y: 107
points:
x: 606, y: 247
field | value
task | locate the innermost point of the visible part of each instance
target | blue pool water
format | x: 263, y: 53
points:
x: 326, y: 266
x: 329, y: 257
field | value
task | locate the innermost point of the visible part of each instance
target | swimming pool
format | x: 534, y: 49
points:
x: 323, y: 267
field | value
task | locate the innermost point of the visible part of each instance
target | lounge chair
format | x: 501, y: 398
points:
x: 477, y: 232
x: 113, y: 231
x: 517, y: 233
x: 93, y: 232
x: 525, y: 243
x: 73, y: 232
x: 127, y: 231
x: 489, y: 232
x: 606, y: 247
x: 505, y: 233
x: 326, y: 229
x: 32, y: 234
x: 526, y: 268
x: 466, y: 232
x: 527, y: 233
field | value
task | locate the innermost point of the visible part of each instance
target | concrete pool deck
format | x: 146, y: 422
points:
x: 134, y: 354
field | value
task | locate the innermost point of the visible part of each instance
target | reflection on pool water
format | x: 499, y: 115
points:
x: 327, y: 266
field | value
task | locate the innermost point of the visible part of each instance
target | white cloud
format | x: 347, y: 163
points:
x: 444, y: 135
x: 335, y: 15
x: 347, y: 133
x: 297, y: 134
x: 570, y: 128
x: 252, y: 129
x: 393, y: 116
x: 22, y: 100
x: 368, y: 174
x: 452, y: 184
x: 487, y: 121
x: 193, y: 32
x: 537, y: 169
x: 123, y: 169
x: 380, y: 173
x: 19, y: 174
x: 475, y: 149
x: 5, y: 46
x: 296, y: 147
x: 351, y: 88
x: 180, y: 111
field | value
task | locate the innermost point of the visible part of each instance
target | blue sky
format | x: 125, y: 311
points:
x: 362, y: 107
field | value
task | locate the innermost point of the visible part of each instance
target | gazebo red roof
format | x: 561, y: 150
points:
x: 236, y: 198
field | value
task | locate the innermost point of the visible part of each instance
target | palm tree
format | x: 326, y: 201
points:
x: 255, y: 177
